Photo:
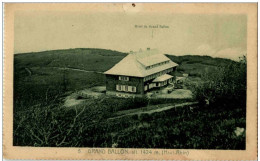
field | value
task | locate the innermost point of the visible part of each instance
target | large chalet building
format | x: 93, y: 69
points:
x: 138, y: 73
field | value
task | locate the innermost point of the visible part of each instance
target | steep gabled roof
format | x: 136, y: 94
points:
x: 128, y: 66
x: 135, y: 64
x: 153, y: 59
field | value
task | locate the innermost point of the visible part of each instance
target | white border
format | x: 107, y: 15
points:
x: 126, y: 1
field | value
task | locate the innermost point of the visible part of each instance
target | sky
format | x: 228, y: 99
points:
x: 178, y: 34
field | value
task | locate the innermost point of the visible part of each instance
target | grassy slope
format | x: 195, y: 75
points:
x: 45, y: 80
x: 35, y: 99
x: 88, y: 59
x: 195, y: 65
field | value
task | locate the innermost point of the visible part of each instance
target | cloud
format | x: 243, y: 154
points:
x: 230, y: 53
x: 205, y: 49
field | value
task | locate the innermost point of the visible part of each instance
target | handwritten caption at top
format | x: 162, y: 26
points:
x: 152, y: 26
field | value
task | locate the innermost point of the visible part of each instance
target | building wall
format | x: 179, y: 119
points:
x: 113, y: 80
x: 173, y: 73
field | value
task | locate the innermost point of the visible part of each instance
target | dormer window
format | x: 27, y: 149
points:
x: 158, y: 64
x: 123, y: 78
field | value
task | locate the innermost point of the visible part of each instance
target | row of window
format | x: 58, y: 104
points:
x: 123, y: 78
x: 158, y: 74
x: 126, y: 88
x: 158, y: 64
x: 158, y: 84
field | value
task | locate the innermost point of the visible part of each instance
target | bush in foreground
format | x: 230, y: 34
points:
x: 224, y: 85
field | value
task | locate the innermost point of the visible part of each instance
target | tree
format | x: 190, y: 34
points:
x: 223, y: 85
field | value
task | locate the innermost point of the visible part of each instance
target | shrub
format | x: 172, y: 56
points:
x: 223, y: 85
x: 115, y: 104
x: 156, y: 101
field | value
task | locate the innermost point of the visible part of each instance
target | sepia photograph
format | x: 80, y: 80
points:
x: 129, y: 80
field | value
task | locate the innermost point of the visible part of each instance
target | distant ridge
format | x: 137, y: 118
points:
x: 71, y: 49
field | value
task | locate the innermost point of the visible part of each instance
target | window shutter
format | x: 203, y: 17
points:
x: 134, y: 89
x: 117, y: 87
x: 130, y: 88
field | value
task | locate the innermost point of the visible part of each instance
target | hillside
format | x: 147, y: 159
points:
x: 102, y: 60
x: 38, y: 72
x: 87, y: 59
x: 195, y: 65
x: 43, y: 80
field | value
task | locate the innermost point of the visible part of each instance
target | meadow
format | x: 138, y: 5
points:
x: 42, y: 81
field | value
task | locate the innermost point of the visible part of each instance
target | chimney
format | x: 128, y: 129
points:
x: 148, y: 49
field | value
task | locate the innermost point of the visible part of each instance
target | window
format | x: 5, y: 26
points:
x: 125, y: 88
x: 152, y: 85
x: 123, y: 78
x: 134, y: 89
x: 118, y: 87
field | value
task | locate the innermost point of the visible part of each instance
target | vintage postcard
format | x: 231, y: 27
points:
x: 130, y: 81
